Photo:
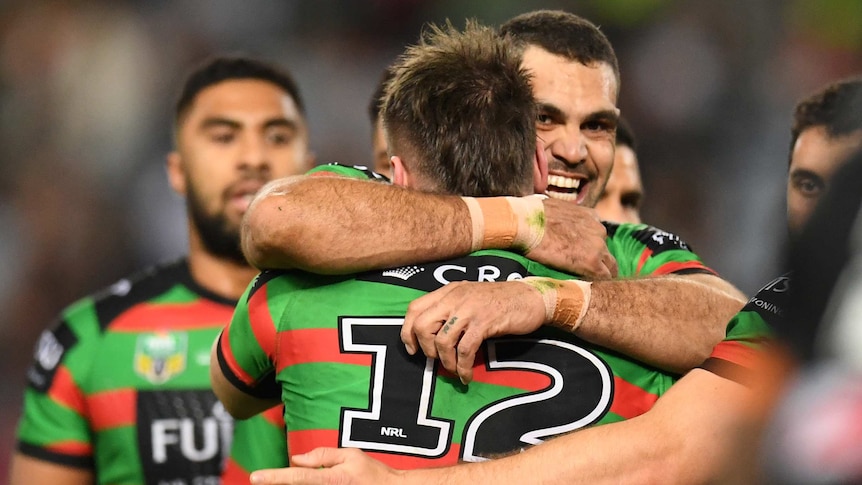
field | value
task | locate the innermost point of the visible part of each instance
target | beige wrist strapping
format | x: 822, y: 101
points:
x: 507, y: 222
x: 566, y: 301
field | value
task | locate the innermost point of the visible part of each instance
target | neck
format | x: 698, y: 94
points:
x: 221, y: 276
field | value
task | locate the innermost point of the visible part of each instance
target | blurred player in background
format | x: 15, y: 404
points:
x: 623, y: 196
x: 119, y: 386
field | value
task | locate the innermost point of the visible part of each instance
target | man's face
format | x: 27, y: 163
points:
x: 621, y: 200
x: 577, y: 122
x: 236, y: 136
x: 816, y: 156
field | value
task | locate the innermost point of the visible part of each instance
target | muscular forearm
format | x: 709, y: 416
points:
x: 689, y: 437
x: 671, y: 322
x: 341, y: 225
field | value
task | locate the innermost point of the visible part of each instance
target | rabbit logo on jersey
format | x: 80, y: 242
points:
x: 160, y: 356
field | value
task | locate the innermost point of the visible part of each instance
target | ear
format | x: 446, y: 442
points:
x: 400, y: 176
x: 540, y: 169
x: 176, y: 174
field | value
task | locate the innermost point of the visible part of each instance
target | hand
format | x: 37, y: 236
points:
x: 574, y: 241
x: 452, y: 322
x: 329, y: 466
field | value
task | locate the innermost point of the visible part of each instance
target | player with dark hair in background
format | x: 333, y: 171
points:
x: 119, y: 387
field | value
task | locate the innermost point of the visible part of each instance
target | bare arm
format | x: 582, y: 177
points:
x: 337, y: 225
x: 27, y: 470
x: 671, y: 322
x: 688, y: 437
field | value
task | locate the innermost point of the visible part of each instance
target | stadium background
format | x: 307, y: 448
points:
x: 87, y: 86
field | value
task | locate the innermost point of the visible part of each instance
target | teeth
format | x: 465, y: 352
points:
x: 573, y: 197
x: 564, y: 182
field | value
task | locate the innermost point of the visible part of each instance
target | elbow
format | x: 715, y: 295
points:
x: 266, y: 229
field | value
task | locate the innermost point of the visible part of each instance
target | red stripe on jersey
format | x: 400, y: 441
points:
x: 673, y: 267
x: 313, y: 345
x: 227, y: 353
x: 149, y: 317
x: 736, y: 352
x: 299, y: 442
x: 65, y: 391
x: 408, y: 462
x: 275, y: 415
x: 261, y: 321
x: 630, y: 400
x: 234, y: 474
x: 113, y: 409
x: 526, y: 380
x: 75, y: 448
x: 645, y: 255
x: 263, y: 329
x: 324, y: 173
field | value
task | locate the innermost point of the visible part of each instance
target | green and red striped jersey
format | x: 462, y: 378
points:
x: 120, y: 385
x: 346, y: 380
x: 749, y: 330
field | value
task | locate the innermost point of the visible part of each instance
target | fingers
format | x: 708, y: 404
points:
x: 321, y: 457
x: 424, y: 319
x: 446, y: 341
x: 466, y: 352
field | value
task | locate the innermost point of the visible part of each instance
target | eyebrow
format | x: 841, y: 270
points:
x: 605, y: 115
x: 216, y: 121
x: 554, y: 111
x: 551, y: 110
x: 804, y: 173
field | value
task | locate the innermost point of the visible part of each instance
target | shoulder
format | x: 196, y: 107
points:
x: 81, y: 324
x: 653, y: 238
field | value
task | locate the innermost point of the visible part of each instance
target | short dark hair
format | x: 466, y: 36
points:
x: 460, y: 106
x: 224, y: 68
x: 564, y: 34
x: 836, y: 107
x: 625, y: 135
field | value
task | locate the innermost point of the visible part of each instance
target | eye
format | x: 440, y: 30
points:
x: 631, y: 201
x: 222, y: 137
x: 280, y: 136
x: 809, y: 186
x: 544, y: 119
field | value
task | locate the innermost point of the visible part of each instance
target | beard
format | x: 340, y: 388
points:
x: 219, y: 236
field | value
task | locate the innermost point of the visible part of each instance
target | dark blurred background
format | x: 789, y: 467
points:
x: 87, y: 86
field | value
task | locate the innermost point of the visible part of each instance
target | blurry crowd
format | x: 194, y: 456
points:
x: 86, y: 89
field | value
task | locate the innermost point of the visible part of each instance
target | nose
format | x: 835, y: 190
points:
x: 254, y: 153
x: 569, y: 146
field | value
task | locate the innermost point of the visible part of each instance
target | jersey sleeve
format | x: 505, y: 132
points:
x: 642, y: 250
x: 360, y: 172
x: 246, y: 349
x: 54, y: 426
x: 749, y: 331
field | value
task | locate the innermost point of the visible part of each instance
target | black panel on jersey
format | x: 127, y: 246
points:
x: 182, y: 434
x: 143, y: 286
x: 48, y: 354
x: 431, y: 276
x: 771, y: 301
x: 652, y: 237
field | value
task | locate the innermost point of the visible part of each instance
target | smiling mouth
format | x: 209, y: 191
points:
x: 563, y: 188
